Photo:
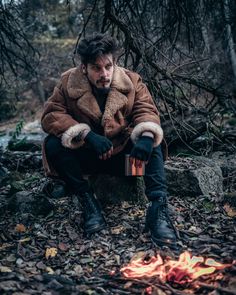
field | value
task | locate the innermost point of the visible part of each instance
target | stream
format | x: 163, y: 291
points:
x: 31, y: 132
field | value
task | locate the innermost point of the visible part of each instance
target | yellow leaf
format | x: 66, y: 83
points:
x: 49, y: 270
x: 20, y: 228
x: 50, y: 252
x: 5, y: 269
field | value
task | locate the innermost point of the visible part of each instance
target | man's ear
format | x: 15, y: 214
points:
x: 84, y: 69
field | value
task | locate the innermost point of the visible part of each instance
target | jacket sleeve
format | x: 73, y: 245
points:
x: 145, y: 115
x: 57, y: 121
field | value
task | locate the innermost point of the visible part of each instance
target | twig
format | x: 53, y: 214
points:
x: 163, y: 286
x: 212, y: 287
x: 188, y: 63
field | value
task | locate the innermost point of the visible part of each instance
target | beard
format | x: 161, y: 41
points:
x: 103, y: 91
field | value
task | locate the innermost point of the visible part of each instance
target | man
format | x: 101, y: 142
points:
x: 97, y: 114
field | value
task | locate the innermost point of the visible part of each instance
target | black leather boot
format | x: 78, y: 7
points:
x: 159, y: 224
x: 92, y: 214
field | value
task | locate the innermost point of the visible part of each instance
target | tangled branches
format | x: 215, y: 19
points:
x: 16, y: 50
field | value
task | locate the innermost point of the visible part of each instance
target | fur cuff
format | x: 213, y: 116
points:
x: 148, y: 126
x: 76, y: 130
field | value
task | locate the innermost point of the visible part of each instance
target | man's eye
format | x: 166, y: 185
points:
x: 95, y: 68
x: 108, y: 67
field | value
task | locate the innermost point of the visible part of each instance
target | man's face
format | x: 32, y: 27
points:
x: 100, y: 73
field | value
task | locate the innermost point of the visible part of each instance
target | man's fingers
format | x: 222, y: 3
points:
x: 131, y: 160
x: 106, y: 155
x: 136, y: 162
x: 109, y: 153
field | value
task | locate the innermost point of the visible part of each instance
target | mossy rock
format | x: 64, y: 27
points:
x: 114, y: 190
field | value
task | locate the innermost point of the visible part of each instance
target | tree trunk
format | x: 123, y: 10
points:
x: 229, y: 35
x: 205, y: 33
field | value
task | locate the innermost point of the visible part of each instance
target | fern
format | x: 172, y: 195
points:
x: 18, y: 130
x: 14, y: 142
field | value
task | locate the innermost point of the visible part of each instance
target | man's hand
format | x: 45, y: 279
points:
x: 141, y: 151
x: 102, y: 145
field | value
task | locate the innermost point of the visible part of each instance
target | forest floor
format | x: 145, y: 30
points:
x: 49, y: 254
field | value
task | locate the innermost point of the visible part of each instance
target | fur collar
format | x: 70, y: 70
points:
x: 78, y: 87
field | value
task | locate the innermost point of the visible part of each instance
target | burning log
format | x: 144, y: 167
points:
x: 184, y: 270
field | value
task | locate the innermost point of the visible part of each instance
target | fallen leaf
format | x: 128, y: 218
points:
x: 4, y: 246
x: 41, y: 265
x: 78, y: 270
x: 138, y: 255
x: 231, y: 212
x: 49, y: 270
x: 63, y: 247
x: 11, y: 258
x: 20, y: 228
x: 50, y: 252
x: 86, y: 260
x: 128, y: 285
x: 117, y: 230
x: 117, y: 258
x: 5, y: 269
x: 24, y: 240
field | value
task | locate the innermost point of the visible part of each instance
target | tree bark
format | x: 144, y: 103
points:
x: 229, y: 35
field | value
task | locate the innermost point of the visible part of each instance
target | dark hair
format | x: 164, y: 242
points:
x: 92, y: 47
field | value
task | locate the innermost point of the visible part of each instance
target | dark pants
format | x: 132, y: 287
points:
x: 71, y: 165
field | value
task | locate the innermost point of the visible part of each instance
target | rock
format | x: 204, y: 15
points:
x: 113, y: 189
x: 22, y: 161
x: 54, y: 188
x: 26, y: 143
x: 54, y: 284
x: 4, y: 173
x: 28, y: 202
x: 193, y: 176
x: 227, y: 163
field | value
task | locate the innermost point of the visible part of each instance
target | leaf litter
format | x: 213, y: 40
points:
x: 51, y: 255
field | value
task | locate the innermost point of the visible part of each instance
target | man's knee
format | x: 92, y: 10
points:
x: 53, y: 146
x: 157, y: 154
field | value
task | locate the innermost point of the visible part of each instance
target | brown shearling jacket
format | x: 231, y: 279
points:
x: 72, y: 109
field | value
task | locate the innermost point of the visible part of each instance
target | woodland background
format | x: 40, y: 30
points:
x: 184, y: 50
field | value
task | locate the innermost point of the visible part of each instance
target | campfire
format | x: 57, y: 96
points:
x: 184, y: 270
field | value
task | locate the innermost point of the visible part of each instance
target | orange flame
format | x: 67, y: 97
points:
x: 180, y: 271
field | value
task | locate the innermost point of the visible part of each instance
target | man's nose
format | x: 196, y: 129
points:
x: 104, y: 72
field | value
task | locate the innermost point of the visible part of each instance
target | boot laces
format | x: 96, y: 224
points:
x: 90, y: 205
x: 163, y: 213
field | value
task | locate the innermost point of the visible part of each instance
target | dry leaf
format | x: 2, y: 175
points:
x: 50, y: 252
x: 78, y: 270
x: 49, y: 270
x: 63, y: 247
x: 128, y: 285
x: 5, y: 269
x: 20, y: 228
x: 117, y: 230
x: 138, y: 255
x: 231, y: 212
x: 24, y: 240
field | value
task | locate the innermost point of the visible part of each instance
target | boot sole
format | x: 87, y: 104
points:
x: 165, y: 243
x: 161, y: 242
